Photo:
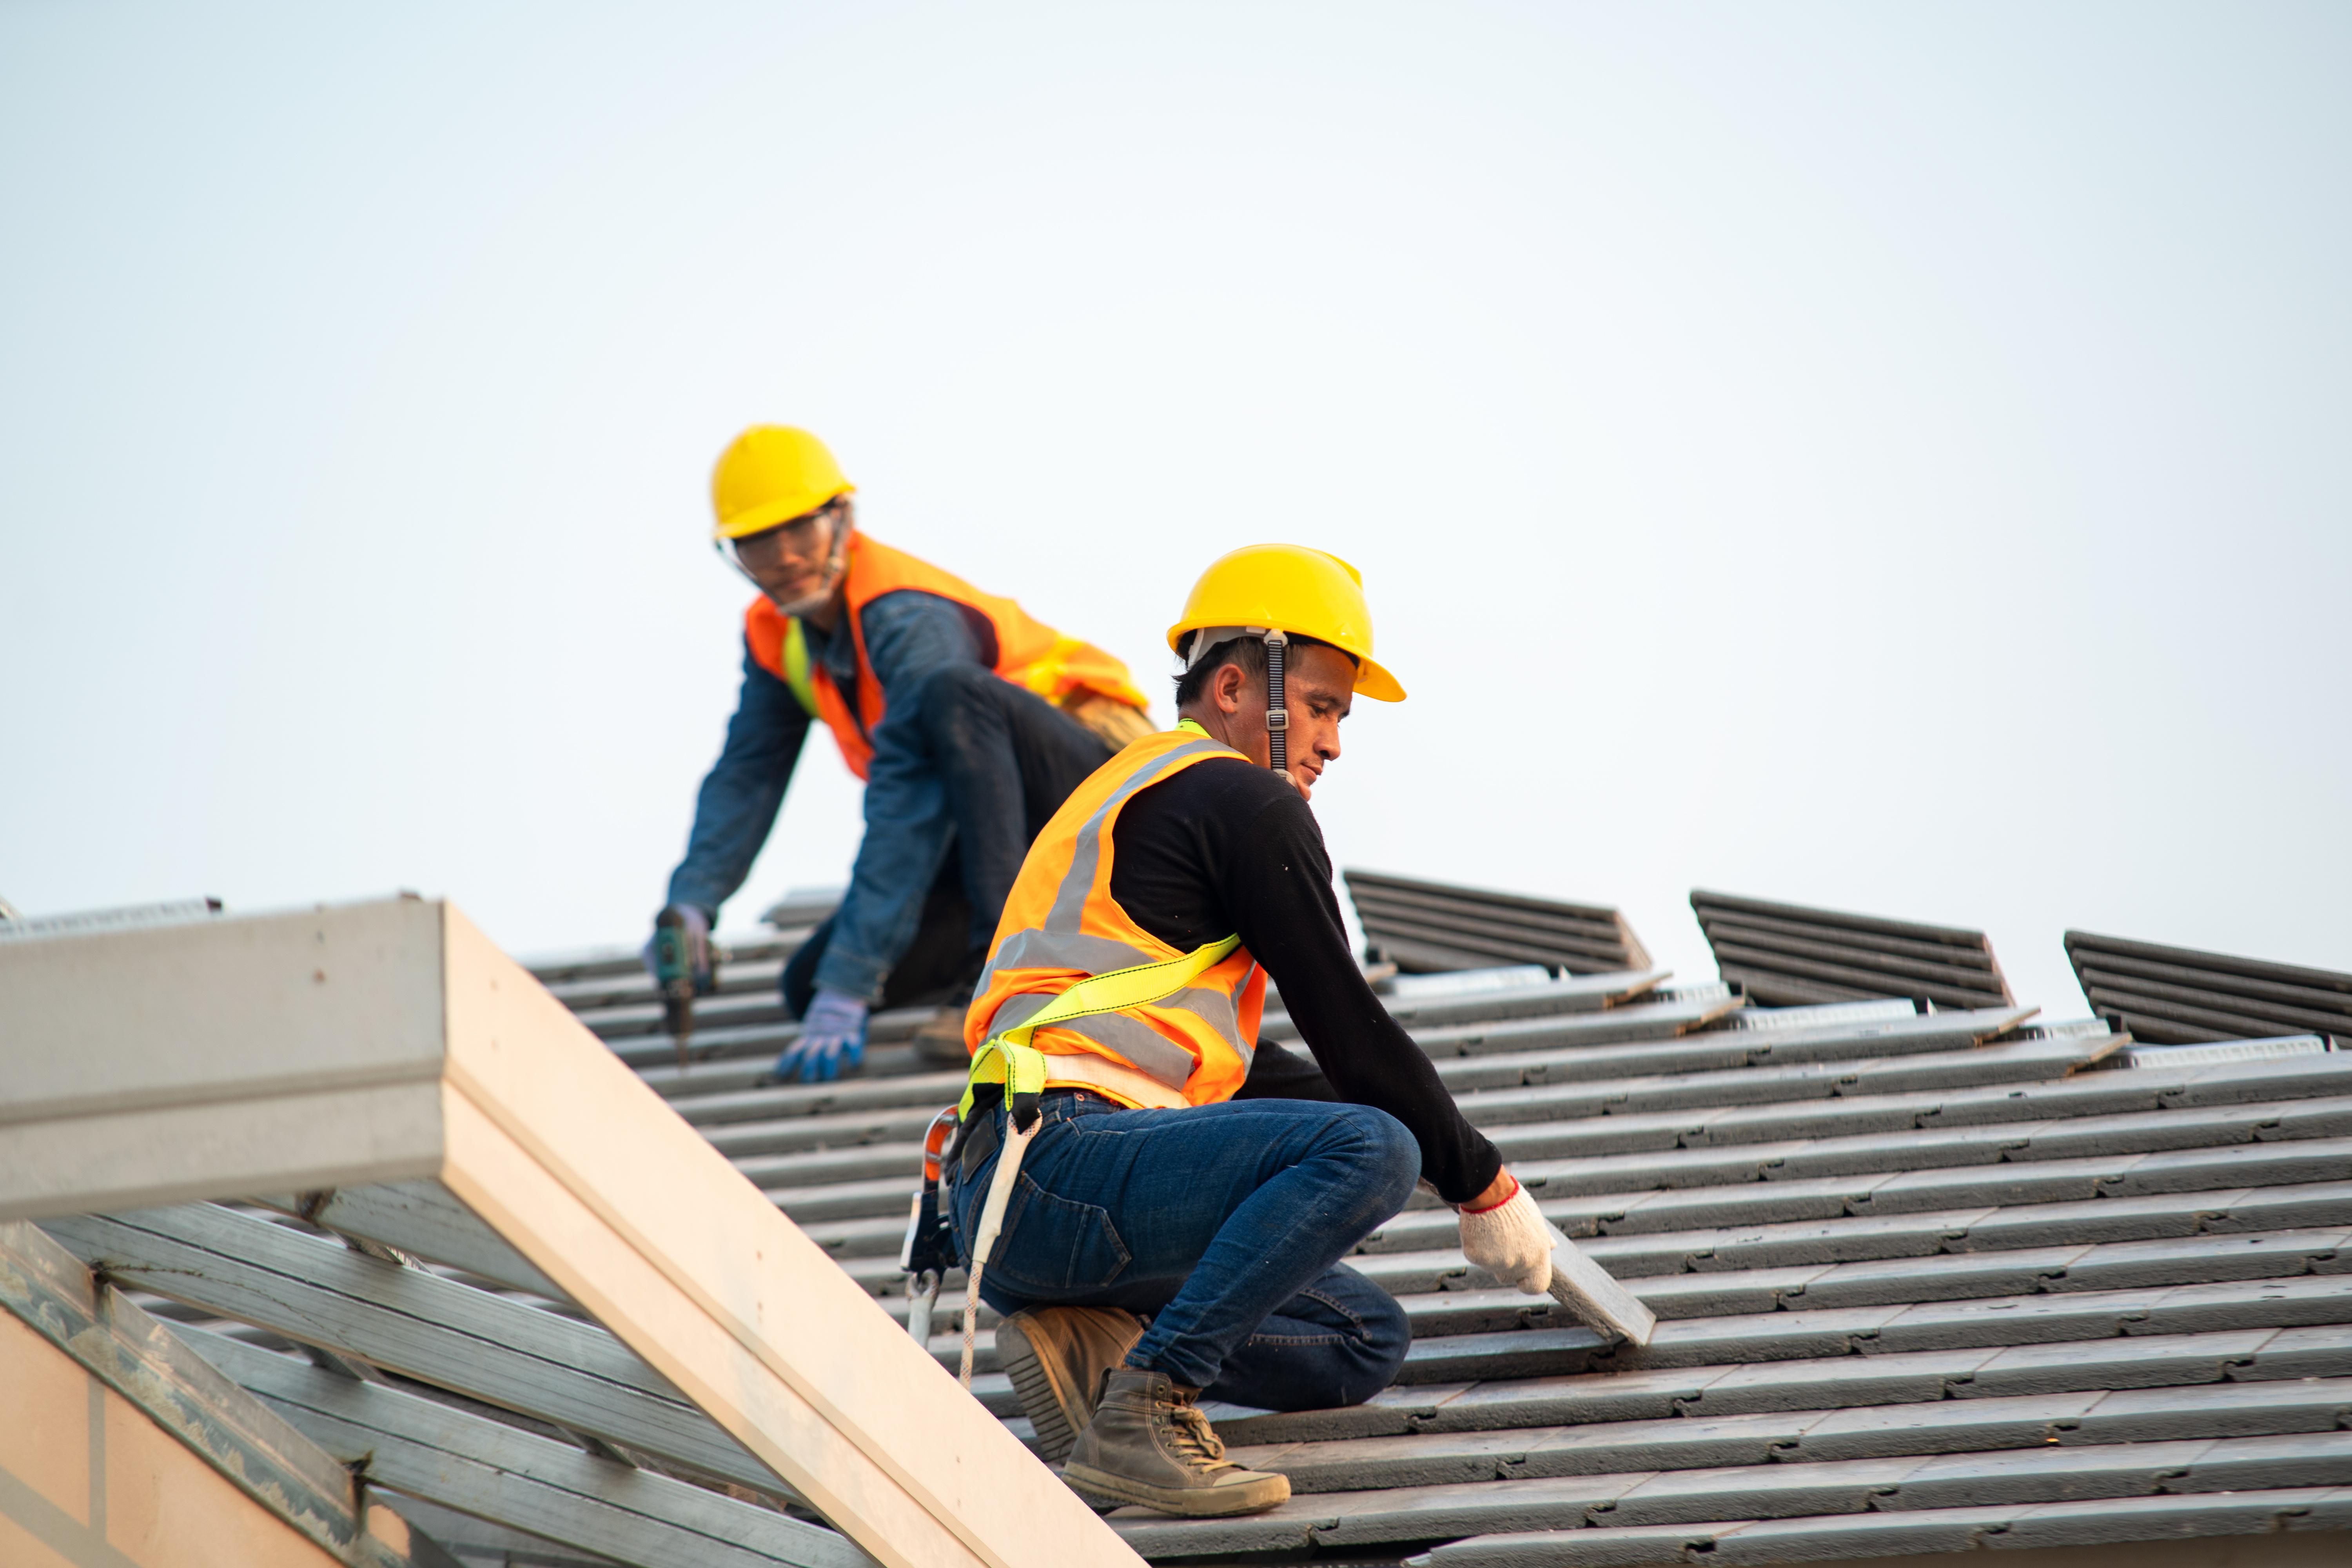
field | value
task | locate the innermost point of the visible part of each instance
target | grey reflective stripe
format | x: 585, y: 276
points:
x: 1060, y: 944
x: 1079, y: 880
x: 1160, y: 1057
x: 1065, y: 950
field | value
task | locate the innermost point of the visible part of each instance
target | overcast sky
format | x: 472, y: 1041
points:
x: 1893, y: 457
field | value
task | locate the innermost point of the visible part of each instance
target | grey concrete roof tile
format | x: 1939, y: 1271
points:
x: 2044, y: 1474
x: 1642, y: 1395
x: 1675, y: 1443
x: 2216, y: 1410
x: 2087, y: 1094
x: 2281, y: 1303
x: 1841, y: 1240
x: 2292, y: 1206
x: 2155, y: 1360
x: 2144, y: 1217
x: 1417, y: 1460
x: 1951, y: 1277
x: 1754, y: 1203
x: 2254, y: 1164
x: 1444, y: 1458
x: 1842, y: 1116
x: 2037, y: 1182
x: 1527, y: 1353
x: 1907, y: 1377
x: 2004, y: 1062
x: 1938, y: 1426
x: 2182, y: 1260
x: 2297, y: 1077
x: 1390, y: 1413
x: 1908, y: 1151
x: 1683, y: 1168
x: 2244, y: 1464
x: 1760, y: 1491
x: 1429, y: 1513
x: 1761, y: 1336
x: 1591, y: 1137
x: 1857, y: 1535
x: 2016, y: 1319
x: 1724, y: 1294
x: 2197, y: 1127
x: 2323, y: 1351
x: 1606, y: 1548
x: 2096, y: 1521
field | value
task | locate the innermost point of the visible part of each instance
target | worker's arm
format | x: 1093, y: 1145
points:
x: 1278, y: 1074
x: 1245, y: 832
x: 908, y: 825
x: 742, y: 792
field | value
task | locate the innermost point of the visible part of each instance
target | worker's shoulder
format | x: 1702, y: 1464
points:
x: 1228, y: 787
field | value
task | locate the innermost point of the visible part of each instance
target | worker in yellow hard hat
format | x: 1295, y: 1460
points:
x: 969, y: 720
x: 1171, y: 1166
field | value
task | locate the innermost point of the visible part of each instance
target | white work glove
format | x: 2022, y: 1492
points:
x: 1510, y: 1241
x: 832, y: 1042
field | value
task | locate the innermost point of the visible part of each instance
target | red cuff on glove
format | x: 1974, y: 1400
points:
x: 1498, y: 1203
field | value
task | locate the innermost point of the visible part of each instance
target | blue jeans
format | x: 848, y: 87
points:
x: 1225, y: 1224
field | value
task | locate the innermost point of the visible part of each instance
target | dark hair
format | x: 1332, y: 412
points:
x: 1247, y: 652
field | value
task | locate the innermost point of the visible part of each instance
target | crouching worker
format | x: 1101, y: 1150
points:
x: 968, y: 719
x: 1183, y: 1202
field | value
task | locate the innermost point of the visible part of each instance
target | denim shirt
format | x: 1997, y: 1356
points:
x: 908, y: 828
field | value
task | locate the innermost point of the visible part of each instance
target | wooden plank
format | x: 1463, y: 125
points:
x: 153, y: 1367
x: 482, y: 1466
x: 412, y: 1323
x: 582, y: 1167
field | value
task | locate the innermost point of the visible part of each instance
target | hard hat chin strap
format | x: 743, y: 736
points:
x: 1278, y: 712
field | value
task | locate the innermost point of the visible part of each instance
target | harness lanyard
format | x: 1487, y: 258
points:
x: 1008, y: 1058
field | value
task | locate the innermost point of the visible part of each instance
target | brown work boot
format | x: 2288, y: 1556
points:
x: 1056, y: 1357
x: 1149, y: 1444
x: 939, y: 1039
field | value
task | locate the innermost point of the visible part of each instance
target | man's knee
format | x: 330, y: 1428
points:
x: 1377, y: 1351
x: 1387, y: 1151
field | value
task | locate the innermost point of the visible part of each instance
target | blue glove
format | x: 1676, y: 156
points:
x: 832, y: 1042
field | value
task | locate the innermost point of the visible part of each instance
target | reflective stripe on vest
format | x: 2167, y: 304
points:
x: 796, y: 668
x: 1211, y: 1015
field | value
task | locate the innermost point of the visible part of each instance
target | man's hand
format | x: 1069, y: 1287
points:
x: 1507, y: 1236
x: 832, y: 1042
x: 696, y: 926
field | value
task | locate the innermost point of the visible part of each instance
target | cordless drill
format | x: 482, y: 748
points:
x: 674, y: 977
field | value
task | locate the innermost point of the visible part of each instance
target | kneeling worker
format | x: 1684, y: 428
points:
x: 969, y: 720
x: 1174, y: 1171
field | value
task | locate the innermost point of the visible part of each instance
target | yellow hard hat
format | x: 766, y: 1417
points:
x: 771, y: 474
x: 1298, y: 590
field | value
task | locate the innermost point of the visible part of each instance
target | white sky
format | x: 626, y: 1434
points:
x: 1893, y: 458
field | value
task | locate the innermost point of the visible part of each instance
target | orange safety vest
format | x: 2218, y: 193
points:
x: 1029, y: 653
x: 1061, y: 926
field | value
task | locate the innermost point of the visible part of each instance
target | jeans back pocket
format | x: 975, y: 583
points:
x: 1051, y: 1243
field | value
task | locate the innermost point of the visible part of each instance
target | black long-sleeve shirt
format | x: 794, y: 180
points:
x: 1226, y: 846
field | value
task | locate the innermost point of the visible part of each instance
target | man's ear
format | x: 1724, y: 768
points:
x: 1225, y: 686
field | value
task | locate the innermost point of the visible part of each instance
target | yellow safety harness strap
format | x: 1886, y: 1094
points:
x: 796, y: 665
x: 1008, y: 1058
